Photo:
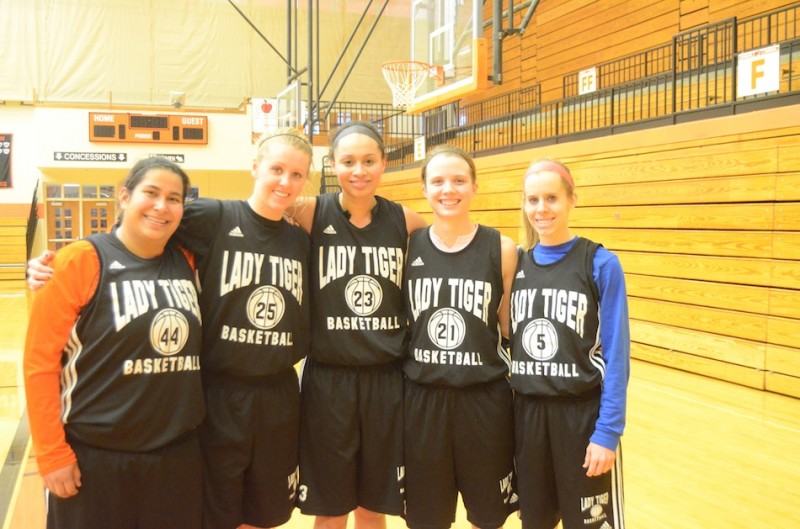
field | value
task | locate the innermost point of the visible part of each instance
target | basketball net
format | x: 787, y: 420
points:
x: 405, y: 78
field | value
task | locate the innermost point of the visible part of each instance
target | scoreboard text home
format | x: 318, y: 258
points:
x: 143, y: 128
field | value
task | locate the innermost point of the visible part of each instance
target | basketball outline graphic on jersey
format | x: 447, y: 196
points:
x: 595, y: 508
x: 540, y: 340
x: 446, y: 328
x: 169, y: 332
x: 363, y: 295
x: 266, y: 307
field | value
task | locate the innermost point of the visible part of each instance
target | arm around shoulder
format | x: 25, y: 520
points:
x: 302, y: 212
x: 199, y: 224
x: 39, y: 270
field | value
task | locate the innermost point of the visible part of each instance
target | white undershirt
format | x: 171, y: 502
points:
x: 461, y: 241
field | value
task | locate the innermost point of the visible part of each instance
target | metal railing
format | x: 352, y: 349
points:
x: 762, y: 30
x: 694, y: 72
x: 708, y: 45
x: 328, y: 181
x: 627, y: 69
x: 344, y: 112
x: 33, y: 220
x: 704, y: 66
x: 437, y: 125
x: 501, y: 105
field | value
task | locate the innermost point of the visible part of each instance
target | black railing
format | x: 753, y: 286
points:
x: 497, y: 106
x: 697, y: 47
x: 344, y: 112
x: 328, y: 181
x: 704, y: 66
x: 791, y: 76
x: 695, y: 72
x: 447, y: 122
x: 33, y: 220
x: 627, y: 69
x: 642, y: 99
x: 776, y: 26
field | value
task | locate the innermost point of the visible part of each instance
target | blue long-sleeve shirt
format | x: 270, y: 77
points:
x: 615, y: 337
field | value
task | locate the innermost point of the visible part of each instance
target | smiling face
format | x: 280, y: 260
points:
x: 449, y: 186
x: 152, y: 211
x: 280, y: 171
x: 359, y: 164
x: 548, y: 202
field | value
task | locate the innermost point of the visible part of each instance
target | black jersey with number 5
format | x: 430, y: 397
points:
x: 555, y: 329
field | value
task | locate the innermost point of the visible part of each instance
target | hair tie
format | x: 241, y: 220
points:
x: 298, y: 136
x: 553, y: 167
x: 360, y: 129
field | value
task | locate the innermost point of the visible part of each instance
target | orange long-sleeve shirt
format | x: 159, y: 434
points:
x: 53, y: 314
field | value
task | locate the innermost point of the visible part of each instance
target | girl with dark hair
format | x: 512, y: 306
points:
x: 253, y: 269
x: 351, y: 452
x: 112, y: 366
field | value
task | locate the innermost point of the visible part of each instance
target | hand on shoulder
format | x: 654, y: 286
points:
x: 301, y: 213
x: 39, y: 270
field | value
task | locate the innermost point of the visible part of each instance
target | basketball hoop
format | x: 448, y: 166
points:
x: 405, y: 78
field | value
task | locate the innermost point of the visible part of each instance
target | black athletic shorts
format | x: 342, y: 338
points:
x: 249, y: 440
x: 552, y: 435
x: 159, y: 489
x: 459, y: 440
x: 351, y: 435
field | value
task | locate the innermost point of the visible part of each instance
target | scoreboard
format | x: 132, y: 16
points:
x: 147, y: 128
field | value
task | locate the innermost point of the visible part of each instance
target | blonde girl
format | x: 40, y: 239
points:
x: 571, y: 354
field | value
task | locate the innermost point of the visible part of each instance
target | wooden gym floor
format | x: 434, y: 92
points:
x: 698, y: 452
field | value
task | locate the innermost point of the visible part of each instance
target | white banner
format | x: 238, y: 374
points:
x: 419, y: 148
x: 759, y: 71
x: 587, y: 81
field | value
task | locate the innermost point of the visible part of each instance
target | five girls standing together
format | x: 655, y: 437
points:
x: 406, y: 396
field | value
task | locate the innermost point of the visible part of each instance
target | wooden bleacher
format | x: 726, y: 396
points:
x: 12, y: 253
x: 705, y: 217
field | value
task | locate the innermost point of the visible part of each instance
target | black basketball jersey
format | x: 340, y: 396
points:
x: 253, y: 277
x: 555, y: 330
x: 452, y: 301
x: 357, y: 311
x: 131, y: 368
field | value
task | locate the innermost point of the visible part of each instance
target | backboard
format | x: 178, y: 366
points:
x: 286, y: 109
x: 448, y: 34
